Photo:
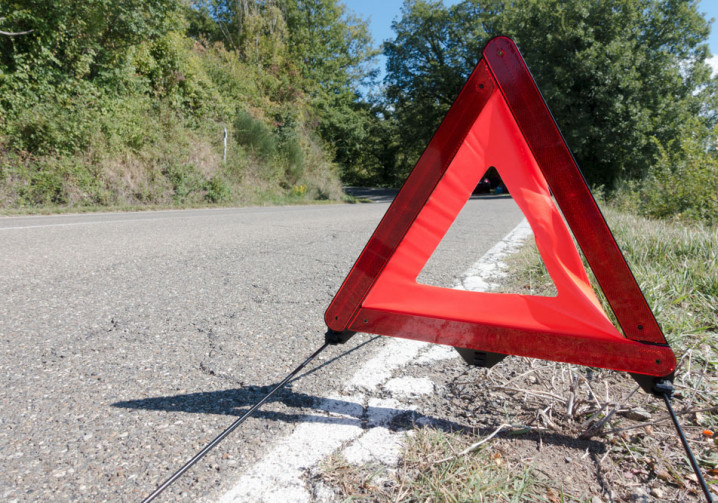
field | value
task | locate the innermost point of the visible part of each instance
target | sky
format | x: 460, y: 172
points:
x: 382, y: 12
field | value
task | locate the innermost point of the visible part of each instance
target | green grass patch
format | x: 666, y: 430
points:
x: 676, y: 266
x: 425, y: 474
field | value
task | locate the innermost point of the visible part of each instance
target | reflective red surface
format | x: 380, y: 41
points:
x: 501, y: 120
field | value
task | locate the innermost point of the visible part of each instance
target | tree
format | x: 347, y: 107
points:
x: 616, y: 74
x: 334, y: 54
x: 315, y: 47
x: 426, y: 67
x: 70, y: 39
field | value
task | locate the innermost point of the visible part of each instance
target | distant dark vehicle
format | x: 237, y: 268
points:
x: 484, y: 186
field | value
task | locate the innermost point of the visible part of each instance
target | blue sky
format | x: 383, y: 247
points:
x: 382, y: 12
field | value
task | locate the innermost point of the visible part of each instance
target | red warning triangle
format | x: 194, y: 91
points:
x: 500, y: 119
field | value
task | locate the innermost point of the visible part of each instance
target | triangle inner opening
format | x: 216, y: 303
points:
x: 489, y: 247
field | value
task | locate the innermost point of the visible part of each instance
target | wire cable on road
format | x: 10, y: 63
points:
x: 231, y: 428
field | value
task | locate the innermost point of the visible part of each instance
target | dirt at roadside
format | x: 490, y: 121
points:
x: 642, y: 461
x: 555, y: 425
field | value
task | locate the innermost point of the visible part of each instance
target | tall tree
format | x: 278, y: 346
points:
x: 426, y: 66
x: 620, y: 76
x: 334, y: 52
x: 320, y: 49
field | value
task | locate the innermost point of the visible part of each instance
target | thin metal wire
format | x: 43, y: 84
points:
x: 694, y: 464
x: 231, y: 428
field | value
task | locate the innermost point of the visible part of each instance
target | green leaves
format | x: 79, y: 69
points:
x: 134, y: 96
x: 615, y: 73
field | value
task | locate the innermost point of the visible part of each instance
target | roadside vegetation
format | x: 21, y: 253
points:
x: 107, y: 104
x: 125, y: 103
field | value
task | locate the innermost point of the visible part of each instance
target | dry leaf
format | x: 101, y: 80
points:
x: 552, y: 495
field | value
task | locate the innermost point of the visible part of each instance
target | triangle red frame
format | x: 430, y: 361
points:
x: 501, y: 95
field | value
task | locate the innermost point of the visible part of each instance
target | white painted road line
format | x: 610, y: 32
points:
x: 355, y: 419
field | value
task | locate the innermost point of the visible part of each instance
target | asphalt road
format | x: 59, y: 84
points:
x: 129, y: 340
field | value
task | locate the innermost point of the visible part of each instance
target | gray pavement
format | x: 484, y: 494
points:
x: 129, y: 340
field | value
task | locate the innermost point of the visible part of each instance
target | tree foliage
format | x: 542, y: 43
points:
x: 620, y: 76
x: 82, y: 38
x: 108, y: 101
x: 326, y: 52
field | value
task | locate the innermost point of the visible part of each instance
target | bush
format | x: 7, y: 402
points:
x: 185, y: 181
x: 218, y: 191
x: 683, y: 184
x: 255, y: 135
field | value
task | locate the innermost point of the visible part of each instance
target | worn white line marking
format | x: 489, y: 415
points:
x: 74, y: 224
x: 141, y: 217
x: 278, y: 477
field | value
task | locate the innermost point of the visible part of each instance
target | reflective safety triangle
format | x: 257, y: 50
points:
x: 501, y: 120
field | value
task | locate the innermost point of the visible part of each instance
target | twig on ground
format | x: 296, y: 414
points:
x: 700, y: 380
x: 651, y: 423
x: 628, y: 450
x: 592, y: 394
x: 478, y: 444
x: 688, y: 354
x: 547, y: 420
x: 595, y: 428
x: 595, y: 413
x: 543, y: 394
x: 608, y: 397
x: 690, y: 365
x: 519, y: 376
x: 605, y: 456
x: 571, y: 395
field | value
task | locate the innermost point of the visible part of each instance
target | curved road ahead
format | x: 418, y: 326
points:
x: 129, y: 340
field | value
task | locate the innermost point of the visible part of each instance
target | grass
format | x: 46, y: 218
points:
x: 676, y: 266
x: 478, y: 476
